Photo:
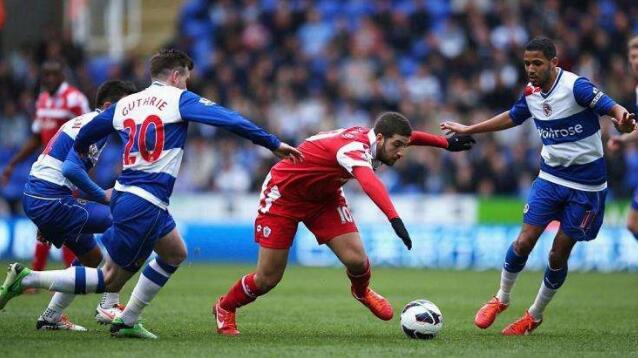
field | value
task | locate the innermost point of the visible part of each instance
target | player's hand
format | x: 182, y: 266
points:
x: 402, y: 232
x: 6, y: 174
x: 107, y: 196
x: 458, y: 143
x: 286, y: 151
x: 614, y: 143
x: 454, y: 128
x: 626, y: 124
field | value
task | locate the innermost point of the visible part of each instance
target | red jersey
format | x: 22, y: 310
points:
x: 52, y: 111
x: 329, y: 158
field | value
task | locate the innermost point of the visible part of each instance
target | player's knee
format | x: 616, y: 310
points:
x: 633, y: 227
x: 176, y: 257
x: 523, y: 245
x: 267, y: 282
x: 357, y: 262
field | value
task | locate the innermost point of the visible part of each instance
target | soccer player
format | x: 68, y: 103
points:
x: 571, y: 186
x: 311, y: 193
x: 56, y: 104
x: 153, y: 124
x: 64, y: 220
x: 615, y: 142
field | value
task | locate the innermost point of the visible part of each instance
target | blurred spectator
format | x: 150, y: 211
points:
x: 298, y: 67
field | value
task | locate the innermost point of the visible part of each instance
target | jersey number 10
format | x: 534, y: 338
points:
x: 149, y: 156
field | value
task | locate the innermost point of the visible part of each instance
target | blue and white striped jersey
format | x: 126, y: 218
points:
x: 567, y: 120
x: 153, y: 125
x: 46, y: 178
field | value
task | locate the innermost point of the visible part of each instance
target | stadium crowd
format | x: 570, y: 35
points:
x: 298, y: 67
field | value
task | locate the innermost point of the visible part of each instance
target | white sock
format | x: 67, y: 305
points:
x: 58, y: 304
x: 507, y: 282
x: 152, y: 279
x: 545, y: 294
x: 110, y: 299
x: 87, y: 280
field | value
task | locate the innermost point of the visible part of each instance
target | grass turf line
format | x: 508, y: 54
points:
x: 311, y: 313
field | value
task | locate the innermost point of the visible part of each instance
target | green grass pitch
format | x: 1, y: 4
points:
x: 312, y: 313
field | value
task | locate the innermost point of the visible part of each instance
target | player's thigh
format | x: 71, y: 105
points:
x: 545, y: 203
x: 333, y: 219
x: 349, y: 249
x: 171, y: 248
x: 583, y: 214
x: 99, y: 218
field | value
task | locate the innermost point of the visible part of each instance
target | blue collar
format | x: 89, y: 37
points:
x: 560, y: 73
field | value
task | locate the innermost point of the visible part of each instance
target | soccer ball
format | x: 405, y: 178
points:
x: 421, y: 319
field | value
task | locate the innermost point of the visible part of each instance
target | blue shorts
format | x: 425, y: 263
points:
x: 580, y: 213
x: 137, y: 226
x: 634, y: 200
x: 68, y: 221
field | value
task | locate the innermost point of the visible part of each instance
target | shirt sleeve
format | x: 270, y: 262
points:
x: 354, y: 154
x: 76, y: 170
x: 198, y: 109
x: 588, y: 95
x: 376, y: 191
x: 98, y: 128
x: 427, y: 139
x: 519, y: 112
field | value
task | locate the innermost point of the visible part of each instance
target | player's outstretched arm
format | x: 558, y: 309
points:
x: 75, y: 169
x: 197, y: 109
x: 496, y: 123
x: 98, y: 128
x: 377, y: 192
x: 624, y: 121
x: 454, y: 143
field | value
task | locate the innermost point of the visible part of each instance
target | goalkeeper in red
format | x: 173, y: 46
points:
x: 311, y: 193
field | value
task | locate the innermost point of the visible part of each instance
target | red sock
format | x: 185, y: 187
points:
x: 242, y: 293
x: 67, y: 256
x: 360, y: 281
x: 40, y: 256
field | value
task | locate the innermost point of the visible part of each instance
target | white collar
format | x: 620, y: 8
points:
x: 372, y: 137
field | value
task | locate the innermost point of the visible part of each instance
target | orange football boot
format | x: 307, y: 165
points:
x: 525, y: 325
x: 376, y: 303
x: 226, y: 324
x: 487, y: 314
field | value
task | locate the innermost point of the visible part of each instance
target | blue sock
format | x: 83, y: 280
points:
x: 554, y: 278
x: 513, y: 262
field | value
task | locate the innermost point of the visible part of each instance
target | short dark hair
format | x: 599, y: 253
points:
x: 391, y: 123
x: 544, y: 45
x: 112, y: 91
x: 168, y: 59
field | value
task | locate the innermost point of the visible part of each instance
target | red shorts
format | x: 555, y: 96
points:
x: 325, y: 220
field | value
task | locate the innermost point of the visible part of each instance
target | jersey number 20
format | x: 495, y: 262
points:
x: 149, y: 156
